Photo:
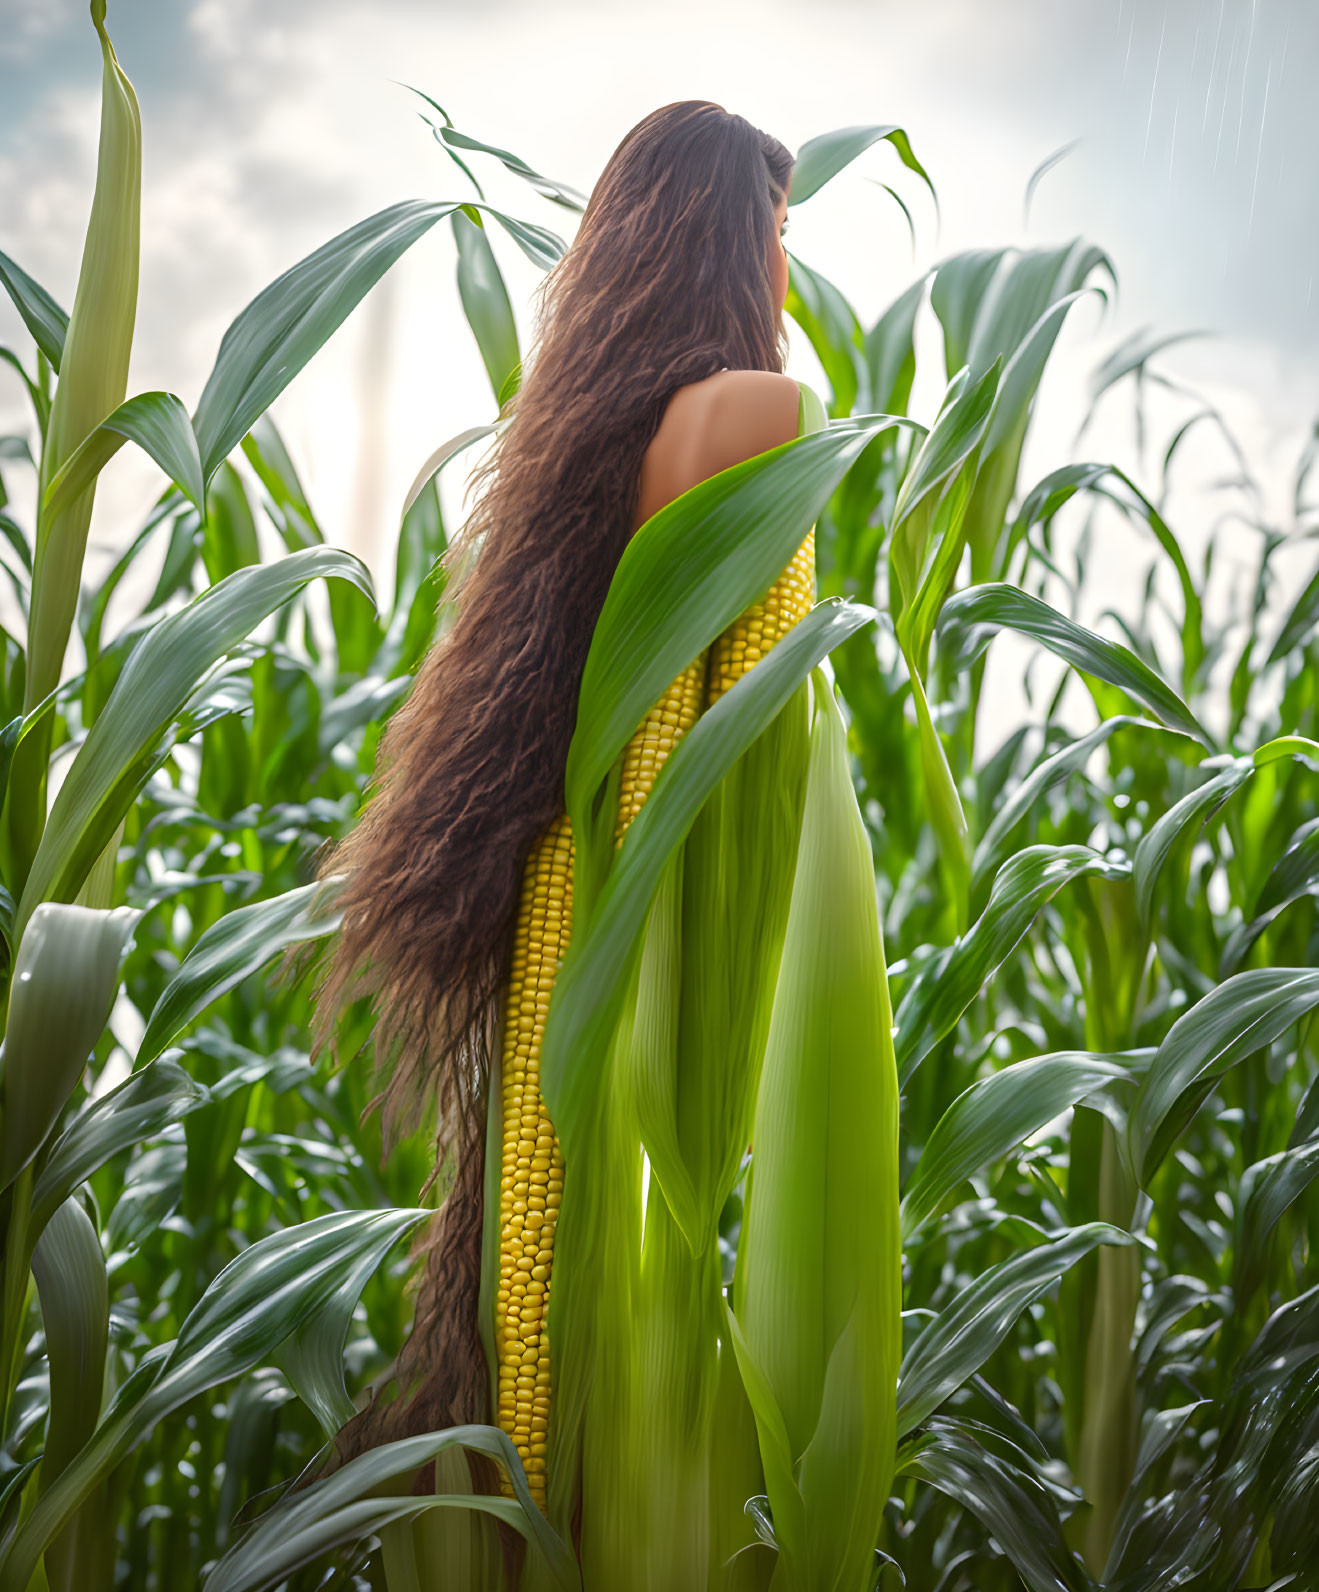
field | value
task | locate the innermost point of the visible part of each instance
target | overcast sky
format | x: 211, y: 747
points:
x: 269, y: 125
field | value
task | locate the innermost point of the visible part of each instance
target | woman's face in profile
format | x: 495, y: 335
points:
x: 779, y: 258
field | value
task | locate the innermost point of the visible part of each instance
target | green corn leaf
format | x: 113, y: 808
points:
x: 972, y: 618
x: 1020, y: 1515
x: 819, y: 1293
x: 69, y: 1270
x: 485, y: 301
x: 161, y: 672
x: 958, y: 294
x: 231, y: 950
x: 821, y: 158
x: 965, y: 1333
x: 1049, y: 772
x: 931, y: 477
x: 558, y: 192
x: 291, y: 319
x: 1300, y: 621
x: 311, y: 1357
x: 948, y: 983
x: 1241, y: 1016
x: 1286, y: 746
x: 42, y: 316
x: 1268, y: 1189
x: 1049, y: 495
x: 776, y: 1454
x: 591, y: 983
x: 66, y: 977
x: 346, y: 1507
x: 832, y: 328
x: 139, y: 1108
x: 946, y: 813
x: 254, y: 1304
x: 441, y: 456
x: 993, y: 1117
x: 93, y: 367
x: 890, y: 352
x: 929, y: 518
x: 1294, y: 876
x: 1294, y: 872
x: 1159, y: 839
x: 159, y: 424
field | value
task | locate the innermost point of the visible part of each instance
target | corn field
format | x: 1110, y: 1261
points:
x: 1083, y: 985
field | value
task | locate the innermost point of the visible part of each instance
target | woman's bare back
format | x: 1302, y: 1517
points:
x: 711, y: 425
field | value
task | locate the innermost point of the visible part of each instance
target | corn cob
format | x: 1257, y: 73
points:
x: 531, y: 1179
x: 532, y: 1169
x: 790, y: 598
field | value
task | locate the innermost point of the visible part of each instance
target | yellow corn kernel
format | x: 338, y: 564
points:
x: 749, y: 638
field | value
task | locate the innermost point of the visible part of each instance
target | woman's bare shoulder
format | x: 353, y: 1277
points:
x: 713, y: 424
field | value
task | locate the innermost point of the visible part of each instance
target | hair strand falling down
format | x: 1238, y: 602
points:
x: 665, y: 283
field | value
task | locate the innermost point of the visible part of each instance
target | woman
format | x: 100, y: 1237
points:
x: 659, y: 364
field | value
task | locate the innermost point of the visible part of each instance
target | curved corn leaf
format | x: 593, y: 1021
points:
x: 965, y: 1333
x: 159, y: 424
x: 233, y: 948
x: 288, y: 322
x: 929, y: 516
x: 441, y: 457
x: 1050, y: 771
x: 970, y: 620
x: 1049, y: 495
x: 1300, y: 621
x: 952, y: 978
x: 345, y: 1507
x: 42, y: 316
x: 1286, y: 746
x: 1011, y: 1506
x: 139, y: 1108
x: 1268, y: 1189
x: 69, y: 1270
x: 1159, y: 839
x: 1241, y: 1016
x: 591, y: 982
x: 832, y: 328
x: 557, y: 192
x: 66, y: 977
x: 151, y: 691
x: 1294, y: 875
x: 993, y: 1117
x: 485, y: 301
x: 254, y: 1304
x: 821, y: 158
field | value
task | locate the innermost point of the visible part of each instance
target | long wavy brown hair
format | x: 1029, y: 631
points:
x: 666, y: 282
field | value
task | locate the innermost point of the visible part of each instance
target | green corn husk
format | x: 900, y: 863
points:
x: 695, y: 1101
x: 817, y: 1331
